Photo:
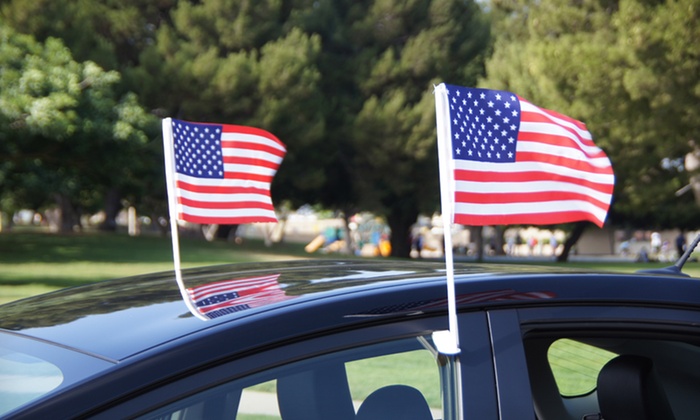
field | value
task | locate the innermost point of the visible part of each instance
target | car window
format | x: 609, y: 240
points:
x: 597, y: 373
x: 415, y: 368
x: 24, y: 378
x: 31, y: 369
x: 337, y: 386
x: 576, y: 365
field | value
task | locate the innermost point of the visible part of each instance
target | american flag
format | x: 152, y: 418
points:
x: 222, y: 173
x: 229, y: 296
x: 515, y: 163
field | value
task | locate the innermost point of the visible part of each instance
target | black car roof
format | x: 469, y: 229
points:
x: 120, y: 318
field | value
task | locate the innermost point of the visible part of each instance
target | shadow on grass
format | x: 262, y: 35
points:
x: 96, y: 247
x: 50, y: 281
x: 51, y: 260
x: 18, y: 248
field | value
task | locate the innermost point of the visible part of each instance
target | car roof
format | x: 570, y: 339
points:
x: 121, y: 318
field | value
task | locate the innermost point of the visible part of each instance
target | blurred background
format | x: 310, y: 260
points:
x: 347, y: 85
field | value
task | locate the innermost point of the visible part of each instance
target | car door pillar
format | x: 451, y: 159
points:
x: 510, y: 366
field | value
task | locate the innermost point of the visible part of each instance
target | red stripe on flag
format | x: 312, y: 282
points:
x: 245, y: 176
x: 533, y: 218
x: 233, y: 205
x: 560, y: 141
x: 526, y: 197
x: 211, y: 189
x: 243, y: 129
x: 241, y: 220
x: 562, y: 161
x: 528, y: 176
x: 250, y: 161
x: 258, y: 147
x: 527, y: 115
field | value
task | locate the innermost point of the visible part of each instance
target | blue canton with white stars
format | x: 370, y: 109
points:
x: 198, y: 149
x: 218, y: 298
x: 484, y: 124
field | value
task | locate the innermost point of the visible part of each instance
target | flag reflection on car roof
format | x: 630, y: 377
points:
x: 230, y: 296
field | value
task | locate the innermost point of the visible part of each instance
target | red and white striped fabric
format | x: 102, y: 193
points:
x: 222, y: 173
x: 515, y: 163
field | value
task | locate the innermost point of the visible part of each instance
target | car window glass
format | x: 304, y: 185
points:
x: 575, y: 366
x: 259, y: 402
x: 415, y: 368
x: 610, y: 373
x: 329, y: 386
x: 24, y: 377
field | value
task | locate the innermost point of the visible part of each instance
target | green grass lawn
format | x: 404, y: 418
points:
x: 32, y: 263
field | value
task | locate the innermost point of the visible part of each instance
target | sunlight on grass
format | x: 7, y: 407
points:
x: 33, y: 263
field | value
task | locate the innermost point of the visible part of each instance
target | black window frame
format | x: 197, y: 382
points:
x: 474, y: 335
x: 638, y: 324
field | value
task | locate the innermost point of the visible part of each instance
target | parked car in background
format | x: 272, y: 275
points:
x: 356, y: 340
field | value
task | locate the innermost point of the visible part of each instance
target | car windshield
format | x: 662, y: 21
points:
x: 30, y: 369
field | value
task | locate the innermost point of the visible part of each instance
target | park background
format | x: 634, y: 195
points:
x: 347, y: 85
x: 34, y: 260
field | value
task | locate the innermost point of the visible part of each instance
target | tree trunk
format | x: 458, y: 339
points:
x: 68, y: 216
x: 224, y: 232
x: 400, y: 224
x: 349, y: 245
x: 498, y: 241
x: 112, y: 207
x: 477, y: 233
x: 571, y: 240
x: 218, y: 232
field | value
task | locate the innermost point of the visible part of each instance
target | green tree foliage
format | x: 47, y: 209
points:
x: 346, y: 84
x: 405, y: 49
x: 630, y: 69
x: 67, y: 135
x: 111, y: 33
x: 245, y: 63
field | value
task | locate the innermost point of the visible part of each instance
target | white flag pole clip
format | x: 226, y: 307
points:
x: 169, y: 154
x: 446, y: 167
x: 447, y: 342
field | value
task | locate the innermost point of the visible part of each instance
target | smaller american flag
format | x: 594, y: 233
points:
x: 222, y: 173
x: 229, y: 296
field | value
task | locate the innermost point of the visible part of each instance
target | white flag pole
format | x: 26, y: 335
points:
x: 446, y: 167
x: 169, y: 153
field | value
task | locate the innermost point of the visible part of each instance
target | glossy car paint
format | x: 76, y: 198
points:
x: 147, y: 338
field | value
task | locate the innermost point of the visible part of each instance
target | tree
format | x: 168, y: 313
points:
x: 111, y: 33
x: 67, y: 135
x: 662, y: 79
x: 347, y: 85
x: 404, y: 52
x: 629, y: 70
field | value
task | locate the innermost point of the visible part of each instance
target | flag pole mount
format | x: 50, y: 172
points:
x: 446, y: 202
x: 203, y: 188
x: 172, y: 207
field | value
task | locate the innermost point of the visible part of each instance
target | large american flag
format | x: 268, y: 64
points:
x: 222, y: 173
x: 230, y: 296
x: 516, y: 163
